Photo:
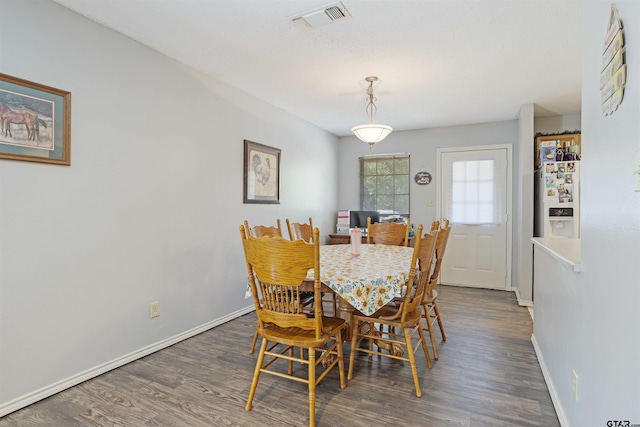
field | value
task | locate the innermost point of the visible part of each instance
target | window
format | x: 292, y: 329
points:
x: 384, y: 183
x: 474, y: 192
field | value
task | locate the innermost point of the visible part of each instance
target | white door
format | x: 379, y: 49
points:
x: 475, y: 195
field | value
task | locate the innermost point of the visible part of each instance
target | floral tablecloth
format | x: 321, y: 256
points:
x: 369, y: 281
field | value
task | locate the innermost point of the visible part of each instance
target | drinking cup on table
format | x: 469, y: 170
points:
x: 356, y: 240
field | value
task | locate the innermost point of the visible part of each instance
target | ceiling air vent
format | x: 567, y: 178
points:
x: 326, y: 15
x: 334, y: 12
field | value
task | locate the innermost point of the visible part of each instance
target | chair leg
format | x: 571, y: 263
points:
x: 312, y: 387
x: 256, y: 374
x: 335, y: 305
x: 290, y: 371
x: 338, y: 337
x: 412, y: 360
x: 371, y: 340
x: 354, y: 343
x: 255, y: 340
x: 435, y: 308
x: 424, y: 346
x: 427, y: 315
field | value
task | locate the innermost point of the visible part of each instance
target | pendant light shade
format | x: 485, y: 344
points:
x: 371, y: 133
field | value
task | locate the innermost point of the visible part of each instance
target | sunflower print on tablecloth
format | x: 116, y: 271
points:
x: 367, y: 282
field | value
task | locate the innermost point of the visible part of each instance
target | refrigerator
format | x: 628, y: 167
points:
x: 557, y: 199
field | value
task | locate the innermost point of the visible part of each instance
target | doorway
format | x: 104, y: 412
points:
x: 474, y: 193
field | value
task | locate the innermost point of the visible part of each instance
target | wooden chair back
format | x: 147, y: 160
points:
x: 423, y: 254
x: 276, y: 268
x: 263, y: 230
x: 300, y: 231
x: 441, y: 245
x: 388, y: 233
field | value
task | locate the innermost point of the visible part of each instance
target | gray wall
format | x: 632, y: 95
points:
x: 597, y: 313
x: 421, y: 145
x: 148, y: 211
x: 85, y: 249
x: 557, y: 124
x: 521, y: 275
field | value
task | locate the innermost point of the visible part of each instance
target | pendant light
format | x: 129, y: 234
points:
x: 371, y: 133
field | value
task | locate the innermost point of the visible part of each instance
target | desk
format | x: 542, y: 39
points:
x: 342, y: 239
x: 345, y: 239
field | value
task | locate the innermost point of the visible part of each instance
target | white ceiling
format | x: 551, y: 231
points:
x: 440, y: 62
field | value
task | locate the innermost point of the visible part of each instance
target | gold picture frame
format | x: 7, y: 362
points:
x: 35, y: 122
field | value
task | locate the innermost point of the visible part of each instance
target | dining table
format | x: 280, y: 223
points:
x: 366, y: 282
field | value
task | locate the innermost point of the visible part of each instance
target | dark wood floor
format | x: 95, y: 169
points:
x: 487, y: 375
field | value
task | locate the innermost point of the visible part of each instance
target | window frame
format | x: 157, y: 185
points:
x: 404, y: 173
x: 477, y: 189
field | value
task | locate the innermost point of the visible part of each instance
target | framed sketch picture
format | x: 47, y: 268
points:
x: 34, y: 122
x: 261, y: 173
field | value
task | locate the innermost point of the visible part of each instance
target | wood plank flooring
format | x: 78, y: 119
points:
x: 487, y: 375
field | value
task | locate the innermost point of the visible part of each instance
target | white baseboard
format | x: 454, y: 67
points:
x: 552, y: 390
x: 59, y: 386
x: 522, y: 302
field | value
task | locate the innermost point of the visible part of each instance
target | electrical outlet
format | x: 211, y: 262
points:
x: 430, y: 202
x: 154, y: 309
x: 574, y: 385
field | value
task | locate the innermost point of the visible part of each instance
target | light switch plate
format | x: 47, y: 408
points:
x: 636, y: 173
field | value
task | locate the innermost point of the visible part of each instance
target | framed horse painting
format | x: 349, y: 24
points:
x: 35, y: 122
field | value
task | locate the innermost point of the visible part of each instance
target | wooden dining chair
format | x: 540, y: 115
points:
x: 264, y: 230
x: 402, y: 319
x: 300, y: 231
x: 276, y: 268
x: 259, y: 231
x: 431, y: 313
x: 388, y: 233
